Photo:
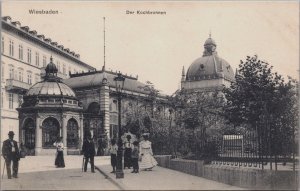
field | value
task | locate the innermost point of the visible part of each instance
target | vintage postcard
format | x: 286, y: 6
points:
x: 149, y: 95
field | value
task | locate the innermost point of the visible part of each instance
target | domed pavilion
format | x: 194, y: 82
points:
x: 209, y: 72
x: 50, y: 110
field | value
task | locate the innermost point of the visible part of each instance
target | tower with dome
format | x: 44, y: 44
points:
x: 209, y: 72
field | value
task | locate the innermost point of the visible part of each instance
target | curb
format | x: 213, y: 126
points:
x: 110, y: 179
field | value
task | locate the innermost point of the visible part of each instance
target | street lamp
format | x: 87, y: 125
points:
x: 119, y: 80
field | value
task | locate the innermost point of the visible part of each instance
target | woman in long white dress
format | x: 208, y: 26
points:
x: 147, y: 160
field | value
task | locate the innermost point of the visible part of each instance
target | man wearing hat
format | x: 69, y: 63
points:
x: 10, y: 152
x: 88, y: 149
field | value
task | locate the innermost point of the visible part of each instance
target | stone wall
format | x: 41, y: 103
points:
x: 241, y: 177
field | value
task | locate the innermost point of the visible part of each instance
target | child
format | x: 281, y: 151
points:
x: 113, y: 154
x: 135, y: 157
x: 127, y: 153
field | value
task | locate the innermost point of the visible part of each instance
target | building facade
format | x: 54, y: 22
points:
x: 97, y: 93
x: 209, y: 72
x: 85, y: 102
x: 24, y: 56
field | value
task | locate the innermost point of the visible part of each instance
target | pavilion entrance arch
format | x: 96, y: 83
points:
x: 29, y: 128
x: 72, y: 133
x: 50, y: 132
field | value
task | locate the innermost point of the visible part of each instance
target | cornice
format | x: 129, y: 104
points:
x: 24, y: 34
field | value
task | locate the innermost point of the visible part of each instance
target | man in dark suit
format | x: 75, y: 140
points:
x: 88, y: 149
x: 10, y: 152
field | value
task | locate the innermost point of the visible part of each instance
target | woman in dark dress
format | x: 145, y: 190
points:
x: 59, y: 160
x: 127, y: 154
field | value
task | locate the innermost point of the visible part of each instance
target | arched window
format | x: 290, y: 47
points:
x: 72, y: 133
x: 50, y: 131
x: 94, y: 108
x: 29, y: 133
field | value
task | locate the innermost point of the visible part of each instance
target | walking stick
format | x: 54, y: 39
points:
x: 3, y: 168
x: 82, y: 164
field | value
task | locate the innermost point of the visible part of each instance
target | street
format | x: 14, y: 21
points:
x: 39, y: 173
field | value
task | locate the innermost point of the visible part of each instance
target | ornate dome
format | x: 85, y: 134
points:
x: 50, y: 88
x: 210, y: 65
x: 210, y: 41
x: 51, y: 85
x: 51, y: 68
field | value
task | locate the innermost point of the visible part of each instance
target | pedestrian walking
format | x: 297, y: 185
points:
x: 135, y: 157
x: 10, y: 152
x: 147, y: 160
x: 127, y: 154
x: 88, y: 149
x: 59, y: 159
x: 113, y: 149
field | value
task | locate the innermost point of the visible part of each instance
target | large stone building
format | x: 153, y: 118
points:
x: 24, y: 56
x: 209, y: 72
x: 86, y: 102
x: 52, y: 101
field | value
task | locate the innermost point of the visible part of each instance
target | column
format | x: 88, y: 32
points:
x: 80, y: 132
x: 38, y: 136
x: 21, y: 131
x: 64, y: 133
x: 104, y: 105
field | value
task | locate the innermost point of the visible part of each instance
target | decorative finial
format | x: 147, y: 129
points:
x: 183, y: 72
x: 51, y: 59
x: 209, y: 33
x: 103, y: 68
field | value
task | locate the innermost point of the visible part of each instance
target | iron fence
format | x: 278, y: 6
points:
x: 250, y: 150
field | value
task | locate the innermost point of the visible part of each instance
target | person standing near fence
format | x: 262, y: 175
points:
x: 146, y: 155
x: 59, y: 159
x: 10, y: 152
x: 88, y: 149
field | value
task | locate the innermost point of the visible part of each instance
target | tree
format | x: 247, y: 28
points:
x: 146, y: 114
x: 261, y: 100
x: 201, y: 118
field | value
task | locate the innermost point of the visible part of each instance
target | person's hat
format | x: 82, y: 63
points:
x: 145, y: 134
x: 128, y: 136
x: 11, y: 133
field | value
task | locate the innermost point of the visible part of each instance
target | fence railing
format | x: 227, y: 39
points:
x: 247, y: 151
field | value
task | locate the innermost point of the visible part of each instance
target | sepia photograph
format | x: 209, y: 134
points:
x: 149, y: 95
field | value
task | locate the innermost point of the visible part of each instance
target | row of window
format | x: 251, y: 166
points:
x: 19, y: 74
x: 61, y: 68
x: 10, y: 100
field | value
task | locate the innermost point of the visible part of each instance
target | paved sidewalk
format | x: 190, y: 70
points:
x: 39, y: 173
x: 163, y: 179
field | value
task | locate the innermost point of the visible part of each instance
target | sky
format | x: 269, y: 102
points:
x: 156, y: 47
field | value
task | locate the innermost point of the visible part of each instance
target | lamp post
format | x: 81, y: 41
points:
x: 119, y: 80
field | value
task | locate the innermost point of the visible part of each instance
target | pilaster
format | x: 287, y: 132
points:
x: 64, y: 132
x: 38, y: 135
x: 80, y: 132
x: 104, y: 104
